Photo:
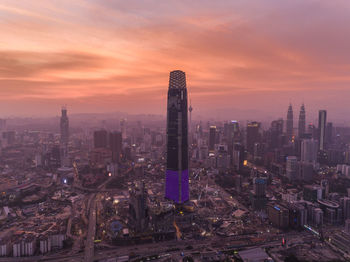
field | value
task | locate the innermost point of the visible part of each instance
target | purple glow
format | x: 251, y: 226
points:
x: 172, y: 185
x: 172, y: 189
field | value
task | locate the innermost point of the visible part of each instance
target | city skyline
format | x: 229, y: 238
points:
x: 174, y: 131
x: 110, y: 57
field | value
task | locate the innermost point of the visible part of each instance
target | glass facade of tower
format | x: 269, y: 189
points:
x: 177, y: 187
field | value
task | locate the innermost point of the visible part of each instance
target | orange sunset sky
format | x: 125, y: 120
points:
x: 242, y: 58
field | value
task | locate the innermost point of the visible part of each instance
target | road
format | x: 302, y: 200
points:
x: 89, y: 243
x: 90, y: 238
x: 165, y: 247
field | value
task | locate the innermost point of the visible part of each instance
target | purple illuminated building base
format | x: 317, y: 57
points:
x: 173, y: 186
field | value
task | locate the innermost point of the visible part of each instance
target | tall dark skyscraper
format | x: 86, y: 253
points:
x: 276, y: 131
x: 253, y: 136
x: 212, y: 138
x: 329, y: 134
x: 231, y: 131
x: 290, y: 122
x: 322, y: 120
x: 177, y: 187
x: 64, y: 126
x: 301, y: 124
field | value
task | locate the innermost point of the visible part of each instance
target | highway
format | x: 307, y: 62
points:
x: 173, y: 247
x: 89, y: 243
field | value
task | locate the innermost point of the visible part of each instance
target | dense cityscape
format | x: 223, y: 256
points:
x: 145, y: 187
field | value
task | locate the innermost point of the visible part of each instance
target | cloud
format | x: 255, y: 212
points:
x: 251, y: 53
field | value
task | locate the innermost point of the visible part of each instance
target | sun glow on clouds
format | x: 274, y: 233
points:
x: 117, y: 54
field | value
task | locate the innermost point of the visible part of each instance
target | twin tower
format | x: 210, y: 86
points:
x: 176, y: 185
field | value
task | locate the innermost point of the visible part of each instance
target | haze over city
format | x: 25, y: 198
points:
x: 242, y: 59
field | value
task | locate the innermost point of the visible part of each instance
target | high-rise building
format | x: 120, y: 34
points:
x: 260, y: 184
x: 177, y: 186
x: 306, y: 171
x: 322, y: 119
x: 329, y: 134
x: 312, y: 130
x: 64, y: 126
x: 231, y: 132
x: 115, y: 144
x: 237, y: 157
x: 278, y: 215
x: 101, y: 139
x: 138, y: 210
x: 222, y: 157
x: 276, y: 130
x: 301, y: 124
x: 258, y: 195
x: 231, y: 135
x: 292, y: 168
x: 123, y: 127
x: 212, y: 138
x: 253, y: 136
x: 289, y: 130
x: 309, y: 149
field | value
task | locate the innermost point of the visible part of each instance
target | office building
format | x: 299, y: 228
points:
x: 237, y: 156
x: 329, y: 134
x: 322, y: 119
x: 278, y: 215
x: 252, y: 136
x: 309, y: 148
x: 289, y: 130
x: 297, y: 215
x: 301, y: 124
x: 115, y: 144
x: 231, y: 132
x: 312, y: 193
x: 222, y: 157
x: 212, y: 138
x: 123, y: 127
x: 177, y: 185
x: 276, y: 131
x: 306, y: 171
x: 292, y: 168
x: 138, y: 210
x: 258, y: 197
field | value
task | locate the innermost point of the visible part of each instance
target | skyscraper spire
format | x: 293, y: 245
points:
x: 301, y: 124
x: 290, y: 122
